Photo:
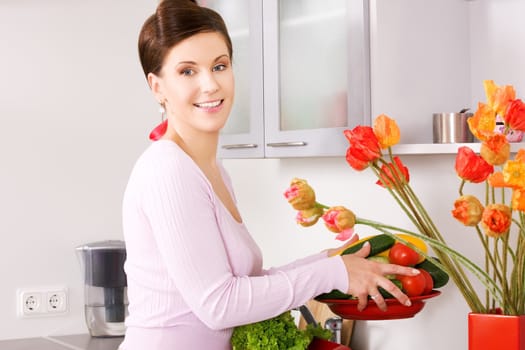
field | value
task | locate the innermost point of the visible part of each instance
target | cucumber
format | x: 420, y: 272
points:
x: 439, y: 276
x: 378, y: 244
x: 386, y: 294
x: 337, y: 294
x: 334, y: 294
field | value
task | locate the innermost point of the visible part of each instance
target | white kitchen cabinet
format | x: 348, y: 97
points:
x: 243, y: 135
x: 308, y: 69
x: 302, y: 76
x: 316, y: 75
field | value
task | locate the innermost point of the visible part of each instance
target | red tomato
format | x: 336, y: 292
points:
x: 429, y: 282
x: 401, y: 254
x: 413, y: 286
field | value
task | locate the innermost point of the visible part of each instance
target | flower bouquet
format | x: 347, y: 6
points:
x: 498, y: 219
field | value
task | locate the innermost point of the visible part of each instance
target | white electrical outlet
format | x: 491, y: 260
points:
x: 30, y: 303
x: 56, y: 301
x: 42, y: 302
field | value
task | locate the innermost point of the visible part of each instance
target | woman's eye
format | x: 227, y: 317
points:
x: 219, y: 67
x: 187, y: 72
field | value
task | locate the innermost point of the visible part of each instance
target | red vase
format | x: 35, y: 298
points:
x: 492, y: 331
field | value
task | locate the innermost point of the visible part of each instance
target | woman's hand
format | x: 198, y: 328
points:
x: 366, y: 276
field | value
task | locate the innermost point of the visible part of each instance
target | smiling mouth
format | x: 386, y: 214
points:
x: 208, y: 105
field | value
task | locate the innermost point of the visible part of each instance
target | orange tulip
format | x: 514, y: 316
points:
x: 300, y: 195
x: 518, y: 199
x: 515, y: 115
x: 483, y: 122
x: 495, y: 149
x: 468, y: 210
x: 496, y: 220
x: 496, y: 180
x: 499, y: 97
x: 520, y: 155
x: 514, y: 173
x: 490, y: 90
x: 471, y: 167
x: 386, y: 131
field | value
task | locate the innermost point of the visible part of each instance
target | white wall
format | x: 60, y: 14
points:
x: 75, y: 112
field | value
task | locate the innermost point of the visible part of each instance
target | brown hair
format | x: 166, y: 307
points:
x: 172, y: 22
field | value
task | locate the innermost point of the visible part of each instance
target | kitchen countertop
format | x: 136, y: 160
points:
x: 74, y: 342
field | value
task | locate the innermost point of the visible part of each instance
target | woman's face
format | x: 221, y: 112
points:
x: 196, y: 84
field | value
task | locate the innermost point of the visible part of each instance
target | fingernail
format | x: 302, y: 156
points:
x: 366, y: 244
x: 415, y: 271
x: 408, y: 303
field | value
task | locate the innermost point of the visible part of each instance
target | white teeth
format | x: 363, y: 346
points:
x: 208, y: 104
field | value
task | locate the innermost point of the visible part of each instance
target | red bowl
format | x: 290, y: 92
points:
x: 347, y: 308
x: 321, y: 344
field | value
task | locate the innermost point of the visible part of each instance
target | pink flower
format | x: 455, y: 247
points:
x: 340, y: 220
x: 300, y: 195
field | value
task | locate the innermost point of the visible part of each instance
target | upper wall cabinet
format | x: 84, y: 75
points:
x: 316, y: 80
x: 302, y: 76
x: 243, y: 135
x: 308, y: 69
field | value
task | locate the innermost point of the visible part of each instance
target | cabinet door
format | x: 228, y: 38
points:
x: 316, y: 75
x: 243, y: 134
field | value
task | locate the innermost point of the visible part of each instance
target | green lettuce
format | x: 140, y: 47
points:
x: 276, y: 333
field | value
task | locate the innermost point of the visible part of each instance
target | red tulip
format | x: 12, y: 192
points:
x: 364, y: 147
x: 472, y: 167
x: 391, y: 174
x: 515, y: 115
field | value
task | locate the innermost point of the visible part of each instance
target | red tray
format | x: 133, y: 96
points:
x: 347, y: 308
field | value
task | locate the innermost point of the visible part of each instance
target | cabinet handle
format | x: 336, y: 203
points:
x: 286, y: 144
x: 240, y: 145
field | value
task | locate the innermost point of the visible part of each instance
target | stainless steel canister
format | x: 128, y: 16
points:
x: 451, y: 128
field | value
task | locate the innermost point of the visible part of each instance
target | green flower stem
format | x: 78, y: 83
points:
x: 504, y: 249
x: 397, y: 192
x: 322, y: 206
x: 461, y: 185
x: 518, y: 273
x: 457, y: 273
x: 520, y: 225
x: 410, y: 203
x: 488, y: 256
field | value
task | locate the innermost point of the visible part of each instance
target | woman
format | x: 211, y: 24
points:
x: 194, y: 272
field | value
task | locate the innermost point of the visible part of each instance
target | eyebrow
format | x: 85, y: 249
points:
x: 195, y: 63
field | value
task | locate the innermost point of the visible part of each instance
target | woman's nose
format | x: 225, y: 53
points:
x: 209, y: 83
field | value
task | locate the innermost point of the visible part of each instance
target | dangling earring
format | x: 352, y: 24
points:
x: 162, y: 127
x: 162, y: 111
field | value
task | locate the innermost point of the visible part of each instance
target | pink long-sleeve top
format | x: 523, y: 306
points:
x: 193, y: 271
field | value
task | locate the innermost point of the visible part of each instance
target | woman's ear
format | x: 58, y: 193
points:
x: 155, y: 85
